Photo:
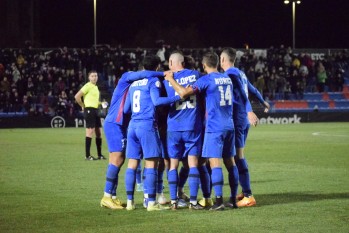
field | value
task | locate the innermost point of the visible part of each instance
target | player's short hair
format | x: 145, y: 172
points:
x: 177, y: 51
x: 231, y: 53
x: 210, y: 59
x: 177, y: 55
x: 151, y: 62
x: 189, y: 62
x: 91, y: 72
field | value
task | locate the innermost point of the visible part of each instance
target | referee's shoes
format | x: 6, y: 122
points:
x: 90, y: 158
x: 101, y: 157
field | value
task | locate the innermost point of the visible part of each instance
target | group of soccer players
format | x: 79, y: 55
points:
x: 207, y: 123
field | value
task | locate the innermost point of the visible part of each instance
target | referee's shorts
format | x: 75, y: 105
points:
x: 92, y: 118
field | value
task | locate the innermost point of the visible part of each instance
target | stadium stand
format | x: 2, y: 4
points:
x: 44, y: 81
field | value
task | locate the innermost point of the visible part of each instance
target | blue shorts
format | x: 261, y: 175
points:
x: 180, y: 144
x: 241, y: 133
x: 143, y: 141
x: 164, y: 153
x: 219, y: 145
x: 116, y: 137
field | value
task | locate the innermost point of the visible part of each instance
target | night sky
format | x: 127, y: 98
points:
x: 195, y: 23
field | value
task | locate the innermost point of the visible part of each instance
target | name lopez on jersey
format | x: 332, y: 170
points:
x: 185, y: 80
x: 138, y: 83
x: 222, y: 81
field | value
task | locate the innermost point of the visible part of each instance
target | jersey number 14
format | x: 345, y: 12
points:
x: 226, y: 96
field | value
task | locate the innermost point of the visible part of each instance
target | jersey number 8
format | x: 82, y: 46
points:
x: 136, y: 107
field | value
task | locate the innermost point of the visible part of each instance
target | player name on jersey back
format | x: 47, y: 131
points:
x: 185, y: 80
x: 138, y: 83
x: 223, y: 80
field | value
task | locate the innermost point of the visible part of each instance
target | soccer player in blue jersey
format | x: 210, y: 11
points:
x: 242, y: 108
x: 184, y: 128
x: 115, y: 126
x: 143, y: 135
x: 219, y: 130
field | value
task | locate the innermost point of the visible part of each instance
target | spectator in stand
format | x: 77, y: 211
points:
x: 111, y: 74
x: 296, y: 63
x: 251, y: 75
x: 260, y: 84
x: 287, y: 60
x: 16, y: 75
x: 321, y: 77
x: 15, y: 102
x: 281, y: 84
x: 272, y: 82
x: 259, y: 67
x: 338, y: 80
x: 22, y: 65
x: 301, y: 83
x: 5, y: 85
x: 293, y: 81
x: 2, y: 101
x: 282, y: 51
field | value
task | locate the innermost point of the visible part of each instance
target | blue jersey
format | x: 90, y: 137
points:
x: 218, y: 91
x: 184, y: 115
x: 242, y: 88
x: 240, y: 92
x: 142, y: 99
x: 115, y: 112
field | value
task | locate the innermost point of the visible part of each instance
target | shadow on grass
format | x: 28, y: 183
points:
x: 254, y: 182
x: 285, y: 198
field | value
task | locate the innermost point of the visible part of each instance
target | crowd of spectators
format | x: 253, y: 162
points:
x: 44, y: 82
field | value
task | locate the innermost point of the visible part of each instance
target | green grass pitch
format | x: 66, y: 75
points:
x: 299, y: 176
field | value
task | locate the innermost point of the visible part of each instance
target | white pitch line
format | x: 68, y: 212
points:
x: 329, y: 135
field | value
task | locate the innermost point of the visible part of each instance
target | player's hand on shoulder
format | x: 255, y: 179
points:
x: 168, y: 75
x: 167, y: 72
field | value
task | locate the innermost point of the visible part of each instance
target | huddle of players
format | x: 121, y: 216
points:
x: 208, y: 116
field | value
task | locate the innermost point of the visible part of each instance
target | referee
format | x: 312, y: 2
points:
x: 89, y: 105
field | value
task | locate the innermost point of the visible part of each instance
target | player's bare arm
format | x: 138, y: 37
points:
x: 183, y: 92
x: 78, y: 98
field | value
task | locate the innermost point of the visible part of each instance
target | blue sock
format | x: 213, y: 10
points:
x: 217, y: 181
x: 113, y: 192
x: 130, y: 180
x: 194, y: 180
x: 244, y: 176
x: 111, y: 178
x: 233, y: 181
x: 210, y: 174
x: 139, y: 174
x: 145, y: 188
x: 183, y: 176
x: 160, y: 182
x: 150, y: 181
x: 205, y: 180
x: 172, y: 177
